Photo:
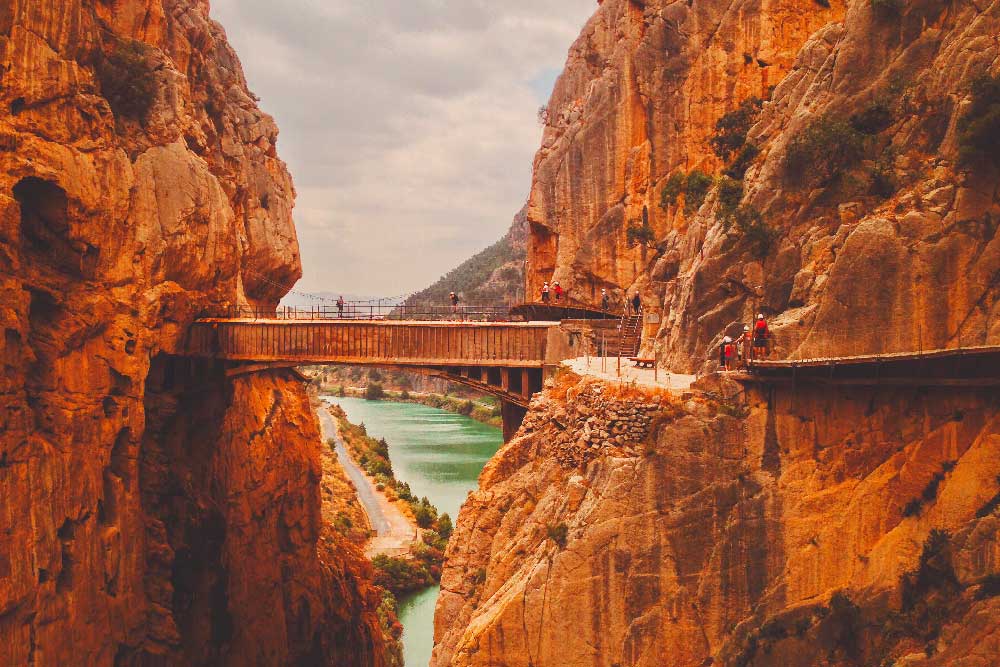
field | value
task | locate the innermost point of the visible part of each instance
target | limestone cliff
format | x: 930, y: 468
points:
x: 847, y: 174
x: 790, y: 529
x: 154, y: 512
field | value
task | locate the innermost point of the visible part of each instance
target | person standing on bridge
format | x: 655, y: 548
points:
x: 605, y: 300
x: 761, y: 336
x: 558, y: 291
x: 545, y: 292
x: 454, y: 302
x: 636, y: 304
x: 340, y: 306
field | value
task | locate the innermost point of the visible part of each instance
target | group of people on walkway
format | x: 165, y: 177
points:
x: 554, y: 290
x: 754, y: 343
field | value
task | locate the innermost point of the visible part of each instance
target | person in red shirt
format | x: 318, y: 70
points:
x: 729, y: 352
x: 761, y: 335
x: 559, y: 291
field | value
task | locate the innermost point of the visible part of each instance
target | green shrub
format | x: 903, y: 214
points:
x: 341, y: 391
x: 374, y: 392
x: 343, y: 524
x: 403, y: 491
x: 874, y: 118
x: 737, y: 169
x: 731, y: 130
x: 754, y: 231
x: 400, y: 575
x: 913, y: 508
x: 425, y: 514
x: 979, y: 127
x: 730, y: 193
x: 558, y: 534
x: 639, y: 234
x: 445, y: 527
x: 404, y: 395
x: 823, y: 151
x: 127, y: 80
x: 672, y: 189
x: 466, y: 407
x: 696, y: 187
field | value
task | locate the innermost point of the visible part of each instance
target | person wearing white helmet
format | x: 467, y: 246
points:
x: 545, y: 292
x: 744, y: 346
x: 454, y: 302
x: 761, y: 335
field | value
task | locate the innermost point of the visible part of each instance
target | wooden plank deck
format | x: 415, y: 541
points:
x: 366, y: 342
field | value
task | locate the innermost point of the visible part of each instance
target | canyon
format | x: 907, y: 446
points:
x: 826, y: 164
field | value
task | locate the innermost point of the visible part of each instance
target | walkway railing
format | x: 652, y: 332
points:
x: 371, y: 311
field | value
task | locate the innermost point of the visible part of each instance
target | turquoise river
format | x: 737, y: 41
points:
x: 440, y: 455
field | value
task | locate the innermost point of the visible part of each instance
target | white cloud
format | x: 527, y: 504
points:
x: 408, y: 125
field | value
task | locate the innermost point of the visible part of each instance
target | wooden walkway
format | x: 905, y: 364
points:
x: 959, y: 367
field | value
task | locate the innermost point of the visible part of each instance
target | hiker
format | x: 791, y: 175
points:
x: 745, y: 347
x: 545, y: 292
x: 605, y: 300
x: 636, y: 304
x: 340, y: 306
x: 722, y: 353
x: 557, y: 288
x: 728, y: 352
x: 760, y: 338
x: 454, y: 302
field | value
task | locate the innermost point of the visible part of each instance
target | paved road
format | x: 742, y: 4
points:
x: 393, y: 532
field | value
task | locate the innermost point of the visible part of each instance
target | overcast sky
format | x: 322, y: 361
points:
x: 409, y: 126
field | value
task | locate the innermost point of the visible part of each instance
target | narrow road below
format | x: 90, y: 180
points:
x: 393, y: 532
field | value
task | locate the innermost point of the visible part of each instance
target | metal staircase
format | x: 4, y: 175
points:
x: 629, y: 335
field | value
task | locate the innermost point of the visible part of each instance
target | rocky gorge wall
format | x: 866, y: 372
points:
x: 817, y: 527
x: 154, y: 511
x: 852, y: 174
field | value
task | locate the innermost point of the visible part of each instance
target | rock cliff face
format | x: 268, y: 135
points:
x: 783, y: 529
x: 878, y: 196
x: 154, y: 512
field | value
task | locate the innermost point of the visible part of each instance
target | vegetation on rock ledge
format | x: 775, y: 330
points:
x: 127, y: 80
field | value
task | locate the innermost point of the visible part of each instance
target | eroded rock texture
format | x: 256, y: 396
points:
x: 153, y: 512
x: 779, y: 530
x: 898, y: 252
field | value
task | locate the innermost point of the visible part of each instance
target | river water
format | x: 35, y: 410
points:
x: 440, y: 455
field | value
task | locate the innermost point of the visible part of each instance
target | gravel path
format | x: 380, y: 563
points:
x: 393, y: 532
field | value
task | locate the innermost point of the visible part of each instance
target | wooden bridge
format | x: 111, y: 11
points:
x: 507, y: 359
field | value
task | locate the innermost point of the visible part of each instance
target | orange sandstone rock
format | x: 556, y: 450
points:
x: 153, y: 512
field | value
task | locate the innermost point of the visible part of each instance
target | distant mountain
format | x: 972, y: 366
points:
x: 495, y: 275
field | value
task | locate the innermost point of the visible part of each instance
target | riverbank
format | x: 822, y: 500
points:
x: 408, y: 549
x: 483, y: 411
x: 439, y: 455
